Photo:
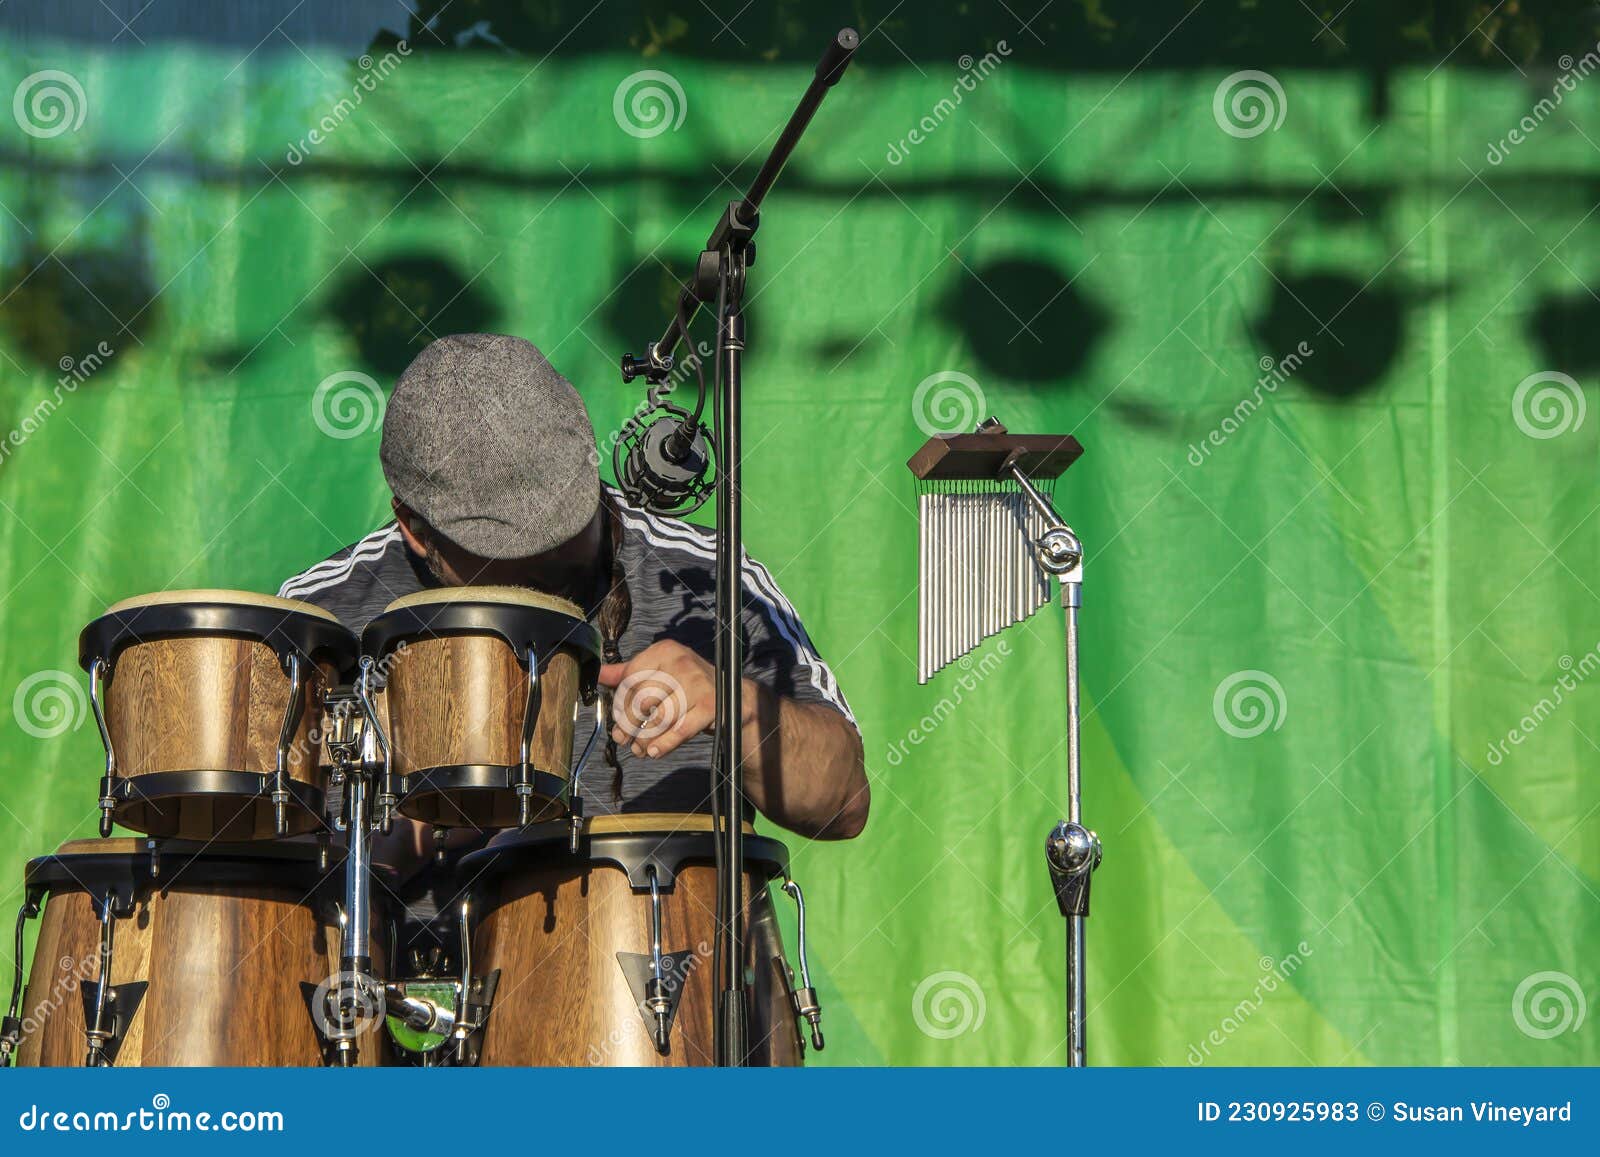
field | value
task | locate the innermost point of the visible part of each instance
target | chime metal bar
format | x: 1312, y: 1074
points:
x: 977, y: 565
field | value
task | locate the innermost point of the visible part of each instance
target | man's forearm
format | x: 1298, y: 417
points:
x: 803, y: 765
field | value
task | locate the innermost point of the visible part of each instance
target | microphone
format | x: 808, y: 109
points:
x: 663, y: 461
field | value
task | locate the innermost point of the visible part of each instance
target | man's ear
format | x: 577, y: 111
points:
x: 412, y: 529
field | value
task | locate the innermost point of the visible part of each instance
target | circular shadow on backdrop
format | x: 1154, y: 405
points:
x: 65, y: 305
x: 1564, y: 329
x: 1365, y: 329
x: 1025, y: 321
x: 639, y: 308
x: 403, y: 304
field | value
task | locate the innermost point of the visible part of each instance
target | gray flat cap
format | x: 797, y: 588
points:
x: 491, y: 446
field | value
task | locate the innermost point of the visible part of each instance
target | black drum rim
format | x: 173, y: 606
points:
x: 163, y: 864
x: 129, y: 792
x: 636, y: 853
x: 489, y: 779
x: 309, y: 637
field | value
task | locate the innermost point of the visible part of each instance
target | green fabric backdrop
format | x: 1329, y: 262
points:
x: 1382, y: 549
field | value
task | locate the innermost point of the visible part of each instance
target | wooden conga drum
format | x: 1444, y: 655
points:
x: 208, y: 704
x: 213, y: 955
x: 481, y: 690
x: 572, y: 937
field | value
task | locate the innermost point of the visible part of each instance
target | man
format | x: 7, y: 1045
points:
x: 492, y: 462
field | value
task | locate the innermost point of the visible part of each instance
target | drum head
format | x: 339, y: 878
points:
x: 523, y: 618
x: 494, y: 595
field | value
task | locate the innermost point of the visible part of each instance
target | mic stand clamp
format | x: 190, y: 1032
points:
x: 654, y: 368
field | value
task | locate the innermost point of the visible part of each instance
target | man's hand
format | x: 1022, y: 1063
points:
x: 662, y: 696
x: 802, y: 761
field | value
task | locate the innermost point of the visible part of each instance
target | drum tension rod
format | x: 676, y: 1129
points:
x: 806, y: 1005
x: 574, y: 795
x: 291, y: 720
x: 98, y: 671
x: 104, y: 1024
x: 656, y: 998
x: 530, y: 719
x: 11, y: 1024
x: 474, y: 995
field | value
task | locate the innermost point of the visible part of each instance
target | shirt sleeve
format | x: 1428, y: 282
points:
x: 778, y: 653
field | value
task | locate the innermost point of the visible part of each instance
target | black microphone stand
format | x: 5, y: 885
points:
x: 720, y: 277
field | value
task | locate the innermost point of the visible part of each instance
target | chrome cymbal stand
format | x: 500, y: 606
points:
x: 1072, y: 851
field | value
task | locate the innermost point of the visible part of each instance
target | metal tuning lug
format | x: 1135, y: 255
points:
x: 657, y: 999
x: 574, y: 795
x: 530, y: 720
x: 807, y: 1007
x: 11, y: 1023
x: 98, y: 671
x: 291, y: 721
x: 100, y: 1025
x: 10, y: 1037
x: 474, y: 994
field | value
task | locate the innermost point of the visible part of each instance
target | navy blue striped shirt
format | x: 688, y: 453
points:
x: 669, y: 566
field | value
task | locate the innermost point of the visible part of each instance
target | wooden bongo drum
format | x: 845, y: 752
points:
x: 213, y: 955
x: 209, y: 704
x: 481, y: 692
x: 596, y: 952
